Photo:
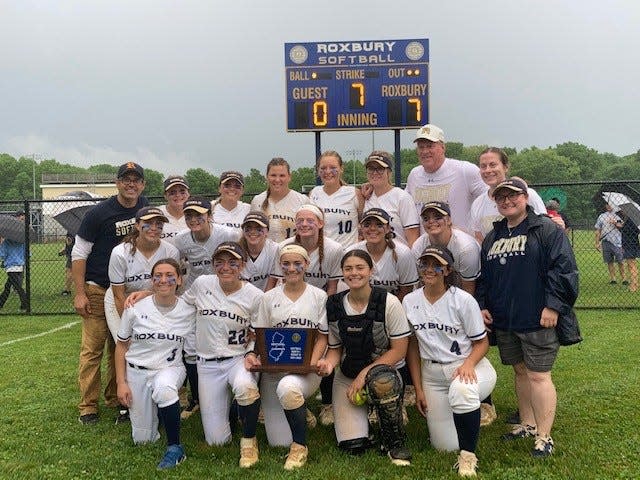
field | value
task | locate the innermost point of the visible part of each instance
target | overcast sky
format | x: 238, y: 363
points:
x: 200, y: 83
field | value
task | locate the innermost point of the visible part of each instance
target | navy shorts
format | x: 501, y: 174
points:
x: 611, y: 253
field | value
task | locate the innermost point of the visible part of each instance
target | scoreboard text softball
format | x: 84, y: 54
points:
x: 363, y: 85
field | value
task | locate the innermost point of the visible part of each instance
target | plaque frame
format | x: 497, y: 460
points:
x: 273, y: 366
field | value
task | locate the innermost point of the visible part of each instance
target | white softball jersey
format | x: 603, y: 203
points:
x: 156, y: 338
x: 484, y: 211
x: 340, y: 213
x: 389, y: 273
x: 308, y: 311
x: 446, y: 328
x: 400, y: 207
x: 456, y: 182
x: 222, y: 321
x: 173, y: 227
x: 230, y: 218
x: 134, y: 271
x: 464, y: 248
x: 282, y: 222
x: 257, y: 270
x: 331, y: 270
x: 198, y: 255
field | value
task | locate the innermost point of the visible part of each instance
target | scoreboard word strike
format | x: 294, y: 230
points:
x: 364, y: 85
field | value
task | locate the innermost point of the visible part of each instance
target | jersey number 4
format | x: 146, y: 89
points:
x: 455, y: 348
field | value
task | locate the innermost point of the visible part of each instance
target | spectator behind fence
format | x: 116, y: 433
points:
x: 69, y: 242
x: 609, y: 241
x: 630, y: 249
x: 12, y: 256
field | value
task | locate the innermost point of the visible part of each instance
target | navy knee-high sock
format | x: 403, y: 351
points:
x: 192, y: 377
x: 468, y: 429
x: 249, y: 417
x: 326, y: 389
x: 170, y: 417
x: 297, y: 419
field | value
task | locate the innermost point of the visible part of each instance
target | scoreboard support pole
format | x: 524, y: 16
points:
x: 398, y: 165
x: 318, y: 153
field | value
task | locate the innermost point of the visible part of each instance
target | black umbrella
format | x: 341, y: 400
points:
x: 13, y: 229
x: 72, y: 218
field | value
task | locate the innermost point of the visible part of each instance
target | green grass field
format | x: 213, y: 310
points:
x: 596, y: 430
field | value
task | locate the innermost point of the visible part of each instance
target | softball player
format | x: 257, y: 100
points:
x: 226, y: 308
x: 368, y: 329
x: 279, y: 202
x: 324, y: 254
x: 262, y: 252
x: 446, y: 358
x: 149, y: 368
x: 394, y: 267
x: 440, y: 232
x: 176, y: 192
x: 197, y: 245
x: 131, y: 261
x: 340, y: 203
x: 405, y: 223
x: 295, y: 304
x: 229, y: 209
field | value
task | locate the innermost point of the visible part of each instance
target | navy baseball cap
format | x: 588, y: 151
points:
x: 440, y: 207
x: 197, y: 204
x: 383, y: 159
x: 233, y: 248
x: 130, y: 167
x: 513, y: 184
x: 232, y: 175
x: 174, y: 180
x: 256, y: 216
x: 147, y: 213
x: 443, y: 255
x: 377, y: 213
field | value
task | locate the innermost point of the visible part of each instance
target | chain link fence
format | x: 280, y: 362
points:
x: 45, y: 270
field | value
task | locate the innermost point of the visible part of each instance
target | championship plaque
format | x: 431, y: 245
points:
x: 285, y: 349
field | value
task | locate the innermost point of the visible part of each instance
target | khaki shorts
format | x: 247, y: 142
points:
x: 538, y: 349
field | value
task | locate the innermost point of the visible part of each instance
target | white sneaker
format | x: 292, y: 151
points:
x: 248, y: 452
x: 297, y: 456
x: 466, y: 464
x: 326, y: 415
x: 487, y: 414
x: 311, y: 419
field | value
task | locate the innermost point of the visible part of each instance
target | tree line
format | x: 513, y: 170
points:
x: 565, y: 163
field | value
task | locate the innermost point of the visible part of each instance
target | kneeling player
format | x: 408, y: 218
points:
x: 368, y: 337
x: 446, y: 358
x: 149, y: 368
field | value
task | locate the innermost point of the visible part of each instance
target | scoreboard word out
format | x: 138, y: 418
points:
x: 363, y: 85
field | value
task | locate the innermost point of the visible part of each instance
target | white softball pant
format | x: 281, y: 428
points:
x: 280, y: 391
x: 151, y: 389
x: 446, y: 396
x: 350, y: 421
x: 218, y: 383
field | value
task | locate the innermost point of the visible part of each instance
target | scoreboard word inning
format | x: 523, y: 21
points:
x: 364, y: 85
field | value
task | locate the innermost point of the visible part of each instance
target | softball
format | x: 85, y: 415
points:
x: 360, y: 398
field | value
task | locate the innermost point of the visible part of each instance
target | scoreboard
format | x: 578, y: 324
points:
x: 360, y: 85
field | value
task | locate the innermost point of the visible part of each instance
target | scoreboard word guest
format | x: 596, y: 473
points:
x: 364, y: 85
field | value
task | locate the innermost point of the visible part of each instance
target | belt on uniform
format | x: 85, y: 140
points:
x: 214, y: 359
x: 437, y: 362
x: 139, y: 367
